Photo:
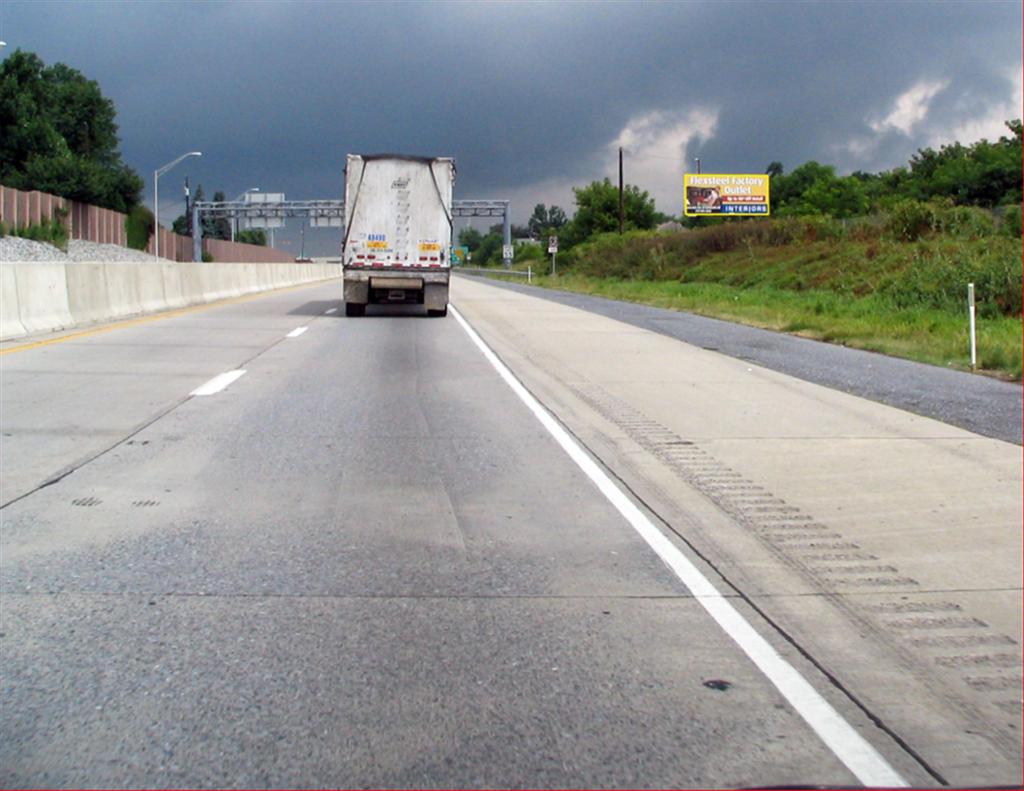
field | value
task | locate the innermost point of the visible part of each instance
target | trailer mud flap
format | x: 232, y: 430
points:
x: 436, y: 296
x: 357, y: 291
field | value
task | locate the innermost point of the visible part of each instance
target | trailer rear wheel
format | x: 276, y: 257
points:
x: 355, y: 309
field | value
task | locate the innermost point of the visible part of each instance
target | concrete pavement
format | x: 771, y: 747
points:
x: 365, y: 563
x: 977, y: 403
x: 860, y: 529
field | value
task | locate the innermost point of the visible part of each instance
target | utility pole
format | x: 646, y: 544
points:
x: 697, y: 160
x: 622, y: 210
x: 156, y: 196
x: 188, y: 214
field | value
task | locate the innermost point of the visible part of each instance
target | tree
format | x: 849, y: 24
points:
x: 515, y: 231
x: 489, y: 251
x: 217, y: 227
x: 213, y: 227
x: 470, y: 237
x: 544, y: 219
x: 982, y: 174
x: 774, y: 169
x: 255, y: 236
x: 597, y: 210
x: 58, y: 135
x: 838, y: 197
x: 790, y: 189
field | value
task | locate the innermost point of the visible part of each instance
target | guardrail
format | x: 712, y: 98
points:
x: 469, y: 270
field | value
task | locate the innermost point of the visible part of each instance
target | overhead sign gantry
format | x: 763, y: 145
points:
x: 322, y: 213
x: 264, y: 214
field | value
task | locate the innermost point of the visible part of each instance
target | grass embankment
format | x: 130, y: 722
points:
x: 854, y: 284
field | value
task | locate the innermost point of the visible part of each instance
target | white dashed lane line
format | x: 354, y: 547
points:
x: 330, y: 310
x: 218, y: 383
x: 296, y: 332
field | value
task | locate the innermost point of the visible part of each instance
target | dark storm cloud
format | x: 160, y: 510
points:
x: 276, y: 94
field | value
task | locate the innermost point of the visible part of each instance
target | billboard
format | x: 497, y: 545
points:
x: 725, y: 194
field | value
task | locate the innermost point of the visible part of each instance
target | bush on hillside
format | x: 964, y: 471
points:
x: 968, y: 222
x: 1010, y: 221
x: 910, y: 219
x: 940, y: 281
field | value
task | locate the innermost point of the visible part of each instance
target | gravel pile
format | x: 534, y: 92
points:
x: 79, y: 250
x: 14, y: 249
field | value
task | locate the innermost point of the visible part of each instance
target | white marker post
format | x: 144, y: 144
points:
x: 553, y: 249
x: 970, y: 312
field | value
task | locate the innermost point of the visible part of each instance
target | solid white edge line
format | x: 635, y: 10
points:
x: 330, y: 310
x: 218, y: 383
x: 866, y: 763
x: 296, y: 332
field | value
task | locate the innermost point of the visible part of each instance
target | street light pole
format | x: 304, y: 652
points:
x: 234, y: 219
x: 156, y: 194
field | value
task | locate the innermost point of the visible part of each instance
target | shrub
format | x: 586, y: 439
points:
x: 965, y: 221
x: 1011, y: 221
x: 207, y: 257
x: 909, y: 219
x: 51, y: 231
x: 940, y: 280
x: 530, y: 252
x: 139, y: 225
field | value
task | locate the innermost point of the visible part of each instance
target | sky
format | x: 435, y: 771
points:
x: 531, y: 98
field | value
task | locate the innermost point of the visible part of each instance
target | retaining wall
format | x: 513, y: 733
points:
x: 38, y: 297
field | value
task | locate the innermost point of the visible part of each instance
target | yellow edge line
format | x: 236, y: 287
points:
x: 155, y: 317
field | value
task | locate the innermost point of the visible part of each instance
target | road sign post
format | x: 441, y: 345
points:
x: 971, y: 319
x: 553, y: 249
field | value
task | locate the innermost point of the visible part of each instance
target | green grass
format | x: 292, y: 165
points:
x: 859, y: 283
x: 856, y: 283
x: 927, y: 334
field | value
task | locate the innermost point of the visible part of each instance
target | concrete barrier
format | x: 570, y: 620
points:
x: 10, y: 321
x: 152, y: 296
x: 123, y: 290
x: 174, y: 291
x: 42, y: 294
x: 87, y: 292
x: 40, y: 297
x: 191, y: 283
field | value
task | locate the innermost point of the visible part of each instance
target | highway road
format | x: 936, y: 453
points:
x: 524, y: 545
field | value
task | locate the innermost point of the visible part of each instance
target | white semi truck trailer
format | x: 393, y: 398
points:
x: 398, y: 231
